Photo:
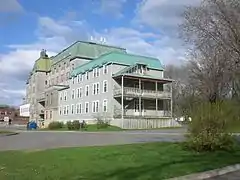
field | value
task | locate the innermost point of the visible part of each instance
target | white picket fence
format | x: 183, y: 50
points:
x: 145, y: 123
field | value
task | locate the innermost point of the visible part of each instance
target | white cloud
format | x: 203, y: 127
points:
x: 111, y: 7
x: 53, y: 35
x: 10, y: 6
x: 145, y: 43
x: 162, y: 14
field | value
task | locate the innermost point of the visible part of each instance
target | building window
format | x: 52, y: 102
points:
x: 50, y: 114
x: 78, y: 93
x: 67, y: 110
x: 64, y: 110
x: 78, y: 78
x: 73, y: 80
x: 60, y: 110
x: 46, y: 114
x: 86, y: 90
x: 98, y: 71
x: 105, y: 69
x: 104, y: 105
x: 105, y: 86
x: 95, y: 106
x: 72, y: 108
x: 73, y: 94
x: 80, y: 108
x: 77, y: 109
x: 65, y: 95
x: 86, y: 107
x: 94, y: 88
x: 97, y: 88
x: 94, y: 72
x: 61, y: 95
x: 87, y: 77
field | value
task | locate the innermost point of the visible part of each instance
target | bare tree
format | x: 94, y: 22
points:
x: 213, y: 32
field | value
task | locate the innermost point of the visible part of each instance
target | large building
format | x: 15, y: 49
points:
x: 89, y: 81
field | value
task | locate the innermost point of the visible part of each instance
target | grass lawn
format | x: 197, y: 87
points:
x: 5, y: 132
x: 140, y: 161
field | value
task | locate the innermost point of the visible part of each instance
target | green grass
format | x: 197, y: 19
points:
x: 140, y: 161
x: 5, y: 132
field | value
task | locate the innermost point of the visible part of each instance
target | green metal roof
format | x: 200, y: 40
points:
x: 118, y: 58
x: 84, y: 49
x: 42, y: 64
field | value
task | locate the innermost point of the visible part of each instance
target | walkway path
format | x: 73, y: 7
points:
x: 229, y: 176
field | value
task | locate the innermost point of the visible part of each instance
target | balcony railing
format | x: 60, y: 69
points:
x: 128, y: 91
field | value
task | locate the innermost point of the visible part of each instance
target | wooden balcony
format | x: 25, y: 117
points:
x: 136, y: 92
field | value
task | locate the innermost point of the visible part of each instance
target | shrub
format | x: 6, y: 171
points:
x: 101, y: 124
x: 208, y: 128
x: 75, y: 125
x: 55, y: 125
x: 70, y: 125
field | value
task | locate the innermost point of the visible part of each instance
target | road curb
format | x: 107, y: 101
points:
x: 209, y: 174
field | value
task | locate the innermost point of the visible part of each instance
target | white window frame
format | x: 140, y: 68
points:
x: 94, y: 88
x: 72, y: 108
x: 80, y: 90
x: 105, y: 69
x: 87, y: 90
x: 60, y: 96
x: 60, y: 110
x: 77, y: 108
x: 98, y: 88
x: 105, y: 104
x: 105, y: 81
x: 95, y: 106
x: 67, y: 110
x: 86, y: 107
x: 98, y: 72
x: 80, y: 108
x: 73, y: 94
x: 65, y: 95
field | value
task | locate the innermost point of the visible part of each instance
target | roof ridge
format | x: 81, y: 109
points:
x: 131, y: 54
x: 99, y: 44
x: 86, y: 42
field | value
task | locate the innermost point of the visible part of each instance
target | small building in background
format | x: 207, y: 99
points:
x: 8, y: 112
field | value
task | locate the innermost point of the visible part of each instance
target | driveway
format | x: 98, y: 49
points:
x: 30, y: 140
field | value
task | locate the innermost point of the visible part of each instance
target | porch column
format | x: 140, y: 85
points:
x: 156, y: 98
x: 122, y: 99
x: 171, y: 99
x: 140, y: 90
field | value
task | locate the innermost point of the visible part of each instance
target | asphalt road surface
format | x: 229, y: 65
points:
x: 36, y: 140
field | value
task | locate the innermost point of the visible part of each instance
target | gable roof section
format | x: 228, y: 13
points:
x: 118, y: 58
x: 84, y: 49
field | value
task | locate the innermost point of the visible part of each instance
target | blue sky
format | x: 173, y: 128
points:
x: 147, y: 27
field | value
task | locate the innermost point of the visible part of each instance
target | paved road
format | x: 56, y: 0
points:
x: 228, y: 176
x: 45, y: 140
